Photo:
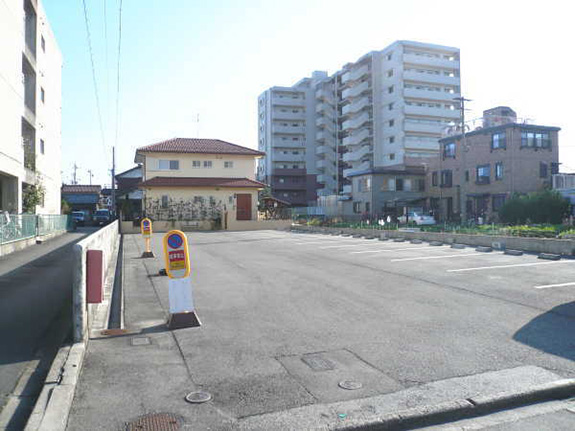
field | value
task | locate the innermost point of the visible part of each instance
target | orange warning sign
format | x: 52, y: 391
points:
x: 176, y: 254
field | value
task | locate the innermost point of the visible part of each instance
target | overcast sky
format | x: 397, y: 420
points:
x: 213, y: 58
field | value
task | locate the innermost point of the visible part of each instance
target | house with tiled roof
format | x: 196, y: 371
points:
x: 198, y: 180
x: 82, y: 197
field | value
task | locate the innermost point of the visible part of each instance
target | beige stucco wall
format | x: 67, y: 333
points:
x: 244, y: 166
x: 224, y: 195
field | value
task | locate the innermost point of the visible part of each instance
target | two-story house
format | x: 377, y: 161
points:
x: 199, y: 179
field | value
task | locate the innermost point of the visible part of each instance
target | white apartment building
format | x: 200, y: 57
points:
x: 287, y: 134
x: 30, y: 106
x: 386, y: 110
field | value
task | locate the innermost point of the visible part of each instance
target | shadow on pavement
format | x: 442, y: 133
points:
x: 552, y: 332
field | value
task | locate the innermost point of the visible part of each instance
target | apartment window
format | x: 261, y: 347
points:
x: 554, y: 168
x: 399, y: 184
x: 467, y: 176
x: 42, y: 95
x: 42, y: 146
x: 43, y: 43
x: 542, y: 170
x: 499, y: 170
x: 392, y: 156
x: 483, y: 174
x: 196, y: 164
x: 535, y: 139
x: 390, y: 107
x: 207, y: 164
x: 281, y: 180
x: 498, y: 140
x: 294, y: 139
x: 407, y: 185
x: 391, y: 139
x: 434, y: 176
x: 446, y: 178
x: 389, y: 56
x: 391, y: 123
x: 228, y: 165
x: 497, y: 202
x: 367, y: 207
x: 421, y: 185
x: 390, y: 73
x: 295, y: 166
x: 390, y: 89
x: 168, y: 165
x: 357, y: 207
x: 165, y: 201
x: 295, y: 152
x: 449, y: 150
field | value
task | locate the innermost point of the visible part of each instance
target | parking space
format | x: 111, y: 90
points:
x: 525, y: 279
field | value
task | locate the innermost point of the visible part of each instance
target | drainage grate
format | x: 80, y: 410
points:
x: 140, y: 341
x: 317, y: 363
x: 155, y: 422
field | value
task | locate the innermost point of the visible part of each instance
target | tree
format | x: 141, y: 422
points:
x: 546, y: 206
x: 65, y: 207
x: 32, y: 196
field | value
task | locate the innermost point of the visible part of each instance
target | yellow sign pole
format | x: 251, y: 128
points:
x: 178, y: 268
x: 146, y: 230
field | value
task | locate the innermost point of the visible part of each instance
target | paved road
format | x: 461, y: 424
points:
x: 286, y: 317
x: 35, y: 306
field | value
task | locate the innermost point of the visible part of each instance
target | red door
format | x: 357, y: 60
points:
x: 244, y: 207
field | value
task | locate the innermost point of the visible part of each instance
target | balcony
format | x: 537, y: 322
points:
x: 288, y: 115
x: 324, y: 108
x: 323, y: 164
x: 287, y: 101
x: 325, y: 151
x: 288, y: 185
x: 430, y: 95
x: 280, y: 157
x: 347, y: 189
x: 325, y: 123
x: 325, y: 95
x: 297, y: 130
x: 421, y: 144
x: 288, y: 172
x: 433, y: 79
x: 356, y: 90
x: 431, y: 112
x: 355, y: 74
x: 362, y: 167
x: 423, y: 60
x: 356, y: 138
x: 414, y: 126
x: 323, y: 136
x: 288, y: 143
x: 357, y: 122
x: 29, y: 116
x: 357, y: 155
x: 356, y: 106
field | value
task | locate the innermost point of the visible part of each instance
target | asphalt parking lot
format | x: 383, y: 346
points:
x: 289, y: 316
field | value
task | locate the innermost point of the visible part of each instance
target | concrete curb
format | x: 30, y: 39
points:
x: 458, y: 246
x: 464, y: 408
x: 484, y: 249
x: 548, y: 256
x: 513, y: 252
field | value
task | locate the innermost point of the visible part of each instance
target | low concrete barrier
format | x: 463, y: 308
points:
x: 106, y: 240
x: 565, y: 247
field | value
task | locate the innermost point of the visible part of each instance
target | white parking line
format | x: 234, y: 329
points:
x: 546, y: 286
x: 442, y: 257
x: 480, y: 268
x: 399, y: 249
x: 363, y: 244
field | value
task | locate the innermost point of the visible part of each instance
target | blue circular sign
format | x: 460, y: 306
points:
x: 175, y: 241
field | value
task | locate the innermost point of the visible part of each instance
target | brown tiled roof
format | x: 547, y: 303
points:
x: 192, y: 145
x: 201, y: 182
x: 80, y: 188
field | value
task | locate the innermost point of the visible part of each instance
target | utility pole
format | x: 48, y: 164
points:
x: 197, y: 125
x: 113, y: 194
x: 462, y: 186
x: 74, y: 180
x: 90, y: 175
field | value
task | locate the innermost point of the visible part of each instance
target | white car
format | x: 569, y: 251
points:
x: 418, y: 219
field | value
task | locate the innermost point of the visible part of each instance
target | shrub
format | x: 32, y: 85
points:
x: 547, y: 206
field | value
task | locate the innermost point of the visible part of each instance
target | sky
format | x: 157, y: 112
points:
x: 184, y: 59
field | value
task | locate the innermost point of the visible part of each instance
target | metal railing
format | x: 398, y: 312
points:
x: 17, y: 227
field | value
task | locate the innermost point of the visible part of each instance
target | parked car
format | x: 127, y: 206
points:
x: 417, y: 218
x: 102, y: 217
x: 79, y: 217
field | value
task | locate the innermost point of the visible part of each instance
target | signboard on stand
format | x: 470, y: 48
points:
x: 178, y: 268
x: 146, y: 229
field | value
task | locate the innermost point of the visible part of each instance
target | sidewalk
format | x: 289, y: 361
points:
x: 35, y: 317
x: 256, y: 368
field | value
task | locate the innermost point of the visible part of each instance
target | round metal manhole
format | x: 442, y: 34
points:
x: 350, y: 385
x: 198, y: 397
x: 155, y: 422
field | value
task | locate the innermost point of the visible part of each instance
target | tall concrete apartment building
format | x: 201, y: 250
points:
x: 30, y: 106
x: 387, y: 110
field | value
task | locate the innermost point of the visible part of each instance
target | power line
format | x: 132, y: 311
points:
x: 89, y: 39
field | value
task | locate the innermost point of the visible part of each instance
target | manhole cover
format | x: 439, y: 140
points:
x: 350, y: 385
x: 155, y: 422
x: 198, y: 397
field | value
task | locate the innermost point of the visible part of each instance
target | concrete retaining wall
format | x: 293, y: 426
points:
x: 14, y: 246
x: 107, y: 240
x: 564, y: 247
